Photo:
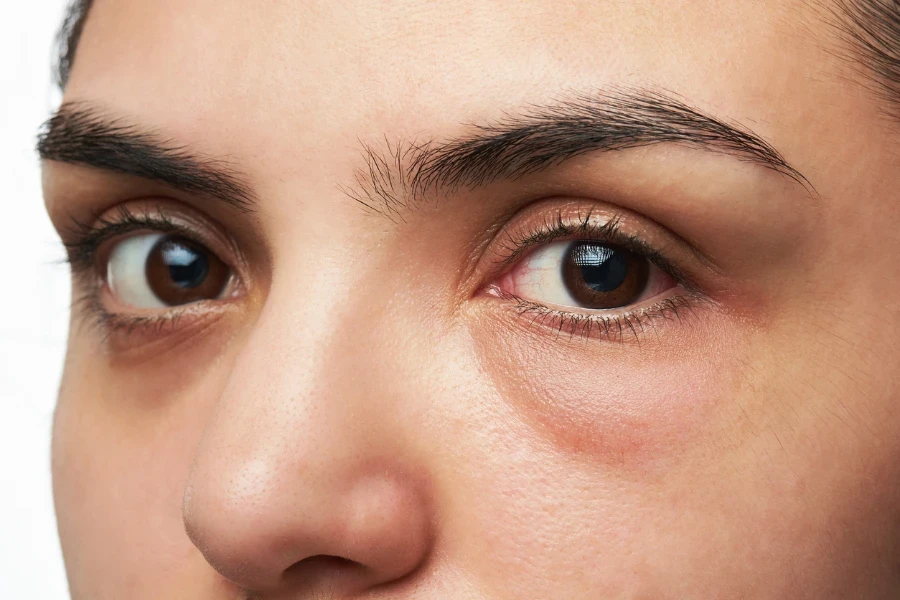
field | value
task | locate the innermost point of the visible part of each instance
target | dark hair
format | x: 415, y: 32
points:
x: 871, y: 29
x: 67, y: 39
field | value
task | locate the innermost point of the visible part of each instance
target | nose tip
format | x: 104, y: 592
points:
x: 360, y: 533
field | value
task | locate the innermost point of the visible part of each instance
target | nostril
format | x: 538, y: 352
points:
x: 321, y: 569
x: 258, y: 530
x: 325, y: 560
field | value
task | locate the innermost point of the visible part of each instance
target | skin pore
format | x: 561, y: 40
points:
x: 392, y: 395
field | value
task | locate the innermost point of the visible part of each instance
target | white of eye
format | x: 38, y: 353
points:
x: 126, y: 271
x: 540, y: 278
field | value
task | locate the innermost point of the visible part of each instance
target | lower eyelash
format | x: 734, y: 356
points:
x: 630, y: 326
x: 109, y: 323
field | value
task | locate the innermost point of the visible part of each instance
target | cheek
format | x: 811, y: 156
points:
x: 613, y: 402
x: 122, y: 446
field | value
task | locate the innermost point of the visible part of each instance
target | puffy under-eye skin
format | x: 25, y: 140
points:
x: 571, y: 369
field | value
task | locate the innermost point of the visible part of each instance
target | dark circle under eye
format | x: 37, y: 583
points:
x: 179, y: 271
x: 601, y: 276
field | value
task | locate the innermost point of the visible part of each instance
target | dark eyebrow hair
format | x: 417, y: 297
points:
x: 79, y: 134
x: 544, y: 136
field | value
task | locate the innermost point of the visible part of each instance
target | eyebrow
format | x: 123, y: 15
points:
x: 80, y: 134
x: 537, y: 138
x: 541, y: 137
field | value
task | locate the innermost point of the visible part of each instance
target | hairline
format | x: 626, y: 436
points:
x: 67, y: 40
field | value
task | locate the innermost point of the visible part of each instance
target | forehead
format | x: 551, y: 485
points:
x: 419, y: 52
x: 283, y: 78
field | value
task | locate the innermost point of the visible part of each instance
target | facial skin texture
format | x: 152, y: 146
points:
x: 362, y: 418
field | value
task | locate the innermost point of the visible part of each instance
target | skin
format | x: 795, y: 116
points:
x: 364, y: 421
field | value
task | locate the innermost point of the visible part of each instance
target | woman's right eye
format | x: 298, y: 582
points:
x: 157, y: 270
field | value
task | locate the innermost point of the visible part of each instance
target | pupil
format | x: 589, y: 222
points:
x: 603, y: 269
x: 187, y: 267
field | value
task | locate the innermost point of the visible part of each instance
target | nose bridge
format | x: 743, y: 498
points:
x: 308, y: 363
x: 302, y: 459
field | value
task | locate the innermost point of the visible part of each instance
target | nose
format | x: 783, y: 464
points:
x: 344, y: 534
x: 302, y: 480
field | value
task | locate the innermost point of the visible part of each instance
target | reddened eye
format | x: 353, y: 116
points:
x: 586, y: 274
x: 157, y: 271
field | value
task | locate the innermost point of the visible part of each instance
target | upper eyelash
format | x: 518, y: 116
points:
x: 83, y: 240
x: 610, y: 232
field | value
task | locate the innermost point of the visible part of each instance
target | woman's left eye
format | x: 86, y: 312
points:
x: 585, y: 274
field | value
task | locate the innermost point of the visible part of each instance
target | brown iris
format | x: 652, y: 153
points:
x: 601, y: 276
x: 179, y: 272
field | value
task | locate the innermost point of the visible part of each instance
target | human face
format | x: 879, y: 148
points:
x: 658, y: 364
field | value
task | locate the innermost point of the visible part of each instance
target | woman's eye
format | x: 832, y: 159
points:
x: 156, y: 270
x: 586, y: 274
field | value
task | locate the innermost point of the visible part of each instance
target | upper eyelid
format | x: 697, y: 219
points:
x: 83, y: 241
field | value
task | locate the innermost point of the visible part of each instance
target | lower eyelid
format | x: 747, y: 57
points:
x: 615, y: 325
x: 677, y: 291
x: 128, y: 335
x: 128, y: 331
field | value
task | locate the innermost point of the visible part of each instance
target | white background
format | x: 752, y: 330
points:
x: 34, y: 300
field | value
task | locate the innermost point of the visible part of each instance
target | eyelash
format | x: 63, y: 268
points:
x: 606, y: 327
x: 85, y: 241
x: 82, y: 249
x: 600, y: 324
